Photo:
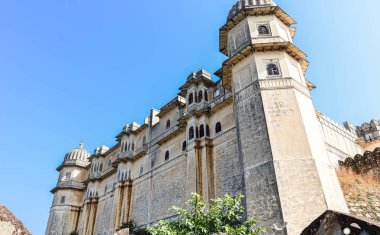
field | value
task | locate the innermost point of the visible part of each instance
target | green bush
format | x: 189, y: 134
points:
x: 223, y: 216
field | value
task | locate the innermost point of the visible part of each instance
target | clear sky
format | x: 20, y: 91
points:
x: 81, y: 69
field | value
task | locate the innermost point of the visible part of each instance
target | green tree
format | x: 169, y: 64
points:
x: 223, y: 216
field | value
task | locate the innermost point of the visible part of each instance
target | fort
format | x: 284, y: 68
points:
x: 251, y: 129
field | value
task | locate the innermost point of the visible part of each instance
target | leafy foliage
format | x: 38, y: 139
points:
x: 223, y: 216
x: 133, y: 228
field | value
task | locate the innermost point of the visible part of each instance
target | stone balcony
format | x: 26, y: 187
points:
x: 68, y: 184
x: 94, y: 175
x: 167, y: 135
x: 220, y: 99
x: 125, y: 155
x: 196, y: 107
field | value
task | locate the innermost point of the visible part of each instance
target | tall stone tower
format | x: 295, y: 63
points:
x: 68, y: 197
x: 288, y: 179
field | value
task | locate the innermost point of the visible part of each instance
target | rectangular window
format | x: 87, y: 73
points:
x: 63, y: 200
x: 68, y: 176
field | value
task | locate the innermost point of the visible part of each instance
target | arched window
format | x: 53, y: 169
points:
x: 101, y: 167
x: 272, y: 69
x: 122, y: 147
x: 133, y: 146
x: 191, y: 98
x: 184, y: 146
x: 218, y: 127
x: 197, y: 132
x: 263, y: 30
x: 200, y: 96
x: 141, y: 169
x: 206, y: 95
x: 191, y: 133
x: 109, y: 162
x: 105, y: 189
x: 118, y: 175
x: 144, y: 140
x: 167, y: 124
x: 125, y: 147
x: 167, y: 155
x: 201, y: 131
x: 207, y: 131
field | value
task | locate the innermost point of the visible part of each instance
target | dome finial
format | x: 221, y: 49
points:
x: 81, y: 144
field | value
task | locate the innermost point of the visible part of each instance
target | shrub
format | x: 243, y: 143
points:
x: 223, y: 216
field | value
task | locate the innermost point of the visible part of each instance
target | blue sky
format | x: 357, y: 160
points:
x: 81, y: 69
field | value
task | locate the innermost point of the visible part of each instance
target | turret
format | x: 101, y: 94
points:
x: 288, y: 178
x: 69, y: 192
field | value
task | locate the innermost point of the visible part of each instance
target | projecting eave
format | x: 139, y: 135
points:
x: 65, y: 164
x: 288, y: 47
x: 195, y: 81
x: 130, y: 132
x: 251, y: 11
x: 178, y: 101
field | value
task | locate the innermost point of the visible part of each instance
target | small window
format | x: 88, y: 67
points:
x: 191, y: 133
x: 197, y: 132
x: 218, y: 127
x: 68, y: 175
x: 133, y: 146
x: 272, y: 69
x: 152, y: 162
x: 63, y: 200
x: 167, y: 155
x: 141, y: 169
x: 263, y: 30
x: 200, y: 96
x: 167, y: 124
x: 105, y: 189
x: 122, y: 147
x: 191, y: 98
x: 201, y: 131
x: 101, y: 167
x: 144, y: 140
x: 109, y: 162
x: 207, y: 131
x: 184, y: 146
x: 206, y: 95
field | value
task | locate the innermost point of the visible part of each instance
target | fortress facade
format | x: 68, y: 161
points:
x: 254, y: 131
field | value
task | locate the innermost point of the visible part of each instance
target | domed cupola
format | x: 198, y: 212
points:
x: 77, y: 157
x: 244, y: 4
x: 78, y: 154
